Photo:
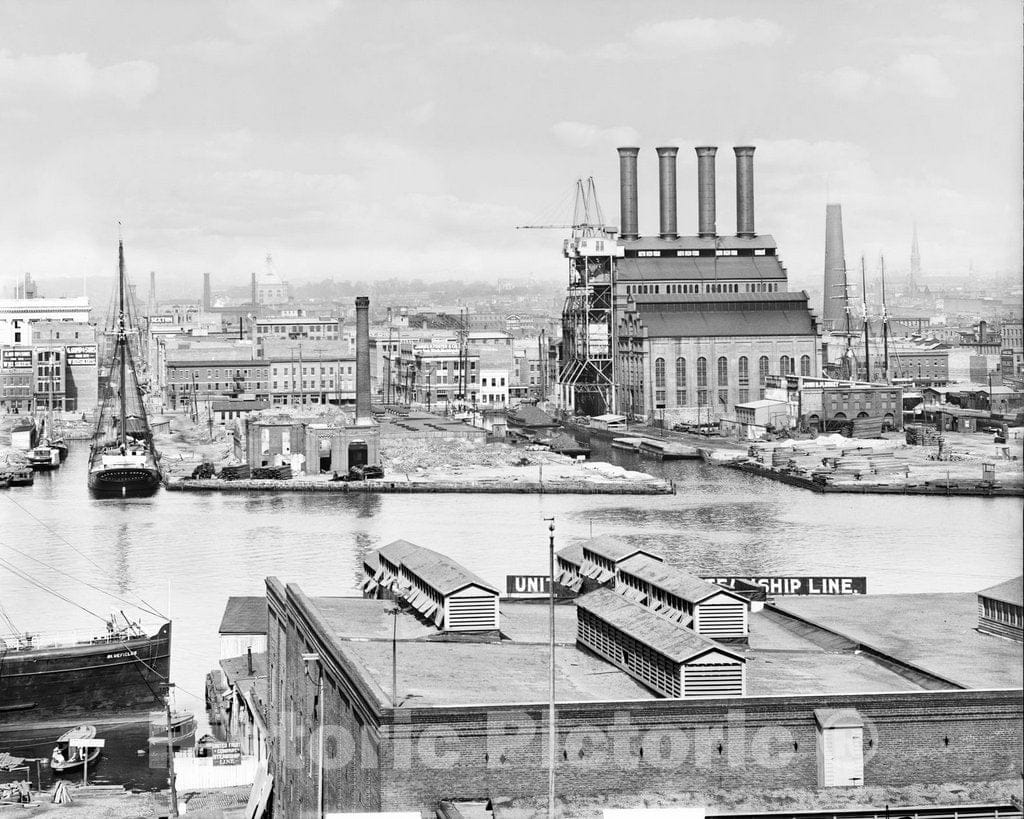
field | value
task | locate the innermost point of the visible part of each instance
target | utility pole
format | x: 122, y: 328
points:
x: 551, y: 678
x: 170, y: 751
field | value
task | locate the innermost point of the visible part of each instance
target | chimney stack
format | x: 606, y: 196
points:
x: 667, y: 191
x: 206, y: 292
x: 152, y: 291
x: 627, y: 193
x: 363, y: 411
x: 745, y: 191
x: 706, y: 191
x: 252, y: 296
x: 833, y: 313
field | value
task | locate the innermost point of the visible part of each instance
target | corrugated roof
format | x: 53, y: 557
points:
x: 244, y: 615
x: 614, y: 549
x: 1011, y: 591
x: 690, y: 268
x: 672, y: 579
x: 728, y: 323
x: 643, y: 625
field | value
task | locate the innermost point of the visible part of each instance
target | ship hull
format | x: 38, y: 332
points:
x: 84, y: 680
x: 124, y: 481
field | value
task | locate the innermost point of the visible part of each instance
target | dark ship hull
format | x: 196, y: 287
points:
x: 124, y: 481
x: 84, y: 679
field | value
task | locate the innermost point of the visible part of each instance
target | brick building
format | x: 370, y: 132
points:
x: 208, y: 379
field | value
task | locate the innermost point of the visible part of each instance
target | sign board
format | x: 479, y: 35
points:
x: 523, y: 585
x: 87, y: 743
x: 161, y: 319
x: 16, y: 359
x: 799, y: 585
x: 80, y: 356
x: 231, y: 754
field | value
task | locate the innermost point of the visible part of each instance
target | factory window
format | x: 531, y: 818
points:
x: 702, y: 398
x: 759, y: 251
x: 723, y: 371
x: 659, y: 373
x: 680, y: 381
x: 785, y: 365
x: 762, y: 373
x: 723, y: 397
x: 744, y: 371
x: 702, y: 372
x: 805, y: 365
x: 728, y: 253
x: 687, y: 252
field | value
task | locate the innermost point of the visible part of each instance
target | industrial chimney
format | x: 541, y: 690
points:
x: 745, y: 191
x: 833, y: 312
x: 252, y: 296
x: 627, y: 193
x: 706, y: 191
x: 152, y: 291
x: 364, y: 414
x: 206, y: 292
x: 667, y: 191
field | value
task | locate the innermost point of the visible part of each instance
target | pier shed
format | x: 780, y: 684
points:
x: 1000, y: 609
x: 671, y: 660
x: 568, y: 562
x: 602, y: 556
x: 382, y: 569
x: 710, y: 610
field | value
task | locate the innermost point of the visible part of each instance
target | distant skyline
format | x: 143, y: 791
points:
x: 367, y: 140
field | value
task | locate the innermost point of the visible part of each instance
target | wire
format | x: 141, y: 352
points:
x: 151, y: 609
x: 29, y: 579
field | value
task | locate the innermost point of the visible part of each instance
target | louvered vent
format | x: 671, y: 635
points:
x: 476, y: 613
x: 722, y: 620
x: 713, y: 680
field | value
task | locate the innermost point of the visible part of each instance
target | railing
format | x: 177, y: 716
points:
x: 30, y: 641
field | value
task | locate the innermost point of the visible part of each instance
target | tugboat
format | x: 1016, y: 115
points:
x: 123, y: 460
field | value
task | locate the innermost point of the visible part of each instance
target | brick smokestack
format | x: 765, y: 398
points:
x: 206, y: 292
x: 706, y: 191
x: 627, y: 193
x: 833, y: 313
x: 252, y: 295
x: 363, y: 412
x: 745, y: 191
x: 667, y: 191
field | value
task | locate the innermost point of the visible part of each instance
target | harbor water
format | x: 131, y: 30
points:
x: 185, y: 553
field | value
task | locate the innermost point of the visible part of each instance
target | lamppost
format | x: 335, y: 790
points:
x: 551, y: 669
x: 307, y: 659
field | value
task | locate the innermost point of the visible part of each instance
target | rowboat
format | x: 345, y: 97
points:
x: 67, y: 757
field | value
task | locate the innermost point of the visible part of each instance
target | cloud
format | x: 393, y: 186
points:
x: 706, y: 33
x: 924, y: 74
x: 261, y: 19
x: 845, y: 81
x: 584, y: 135
x: 75, y: 77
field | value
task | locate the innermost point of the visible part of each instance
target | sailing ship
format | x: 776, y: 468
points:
x: 123, y: 459
x: 44, y: 678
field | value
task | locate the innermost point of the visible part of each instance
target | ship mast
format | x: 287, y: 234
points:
x: 864, y: 304
x: 122, y: 343
x: 885, y: 325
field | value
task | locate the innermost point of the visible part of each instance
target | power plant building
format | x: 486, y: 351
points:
x: 692, y: 325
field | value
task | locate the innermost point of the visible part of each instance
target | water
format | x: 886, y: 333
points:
x: 187, y: 552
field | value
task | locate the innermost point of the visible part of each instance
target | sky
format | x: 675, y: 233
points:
x: 366, y: 140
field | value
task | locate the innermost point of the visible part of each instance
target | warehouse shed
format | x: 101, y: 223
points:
x: 243, y: 627
x: 568, y: 565
x: 710, y: 610
x: 1000, y: 609
x: 602, y: 555
x: 671, y: 660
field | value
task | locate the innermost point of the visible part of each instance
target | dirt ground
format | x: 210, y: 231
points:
x: 108, y: 803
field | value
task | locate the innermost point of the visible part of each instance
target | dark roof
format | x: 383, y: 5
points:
x: 240, y: 364
x: 244, y: 615
x: 728, y: 323
x: 646, y: 299
x: 1011, y: 591
x: 614, y: 549
x: 658, y: 268
x: 572, y: 554
x: 672, y: 579
x: 643, y: 625
x: 441, y: 572
x: 244, y: 404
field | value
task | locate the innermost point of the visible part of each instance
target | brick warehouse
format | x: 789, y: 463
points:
x: 445, y: 743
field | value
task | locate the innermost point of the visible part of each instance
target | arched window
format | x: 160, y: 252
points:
x: 702, y: 372
x: 681, y: 382
x: 659, y: 372
x: 784, y: 365
x: 723, y: 371
x: 805, y: 365
x: 743, y: 365
x: 762, y: 373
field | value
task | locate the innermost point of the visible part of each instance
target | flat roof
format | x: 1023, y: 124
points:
x: 236, y: 669
x: 673, y: 579
x: 1011, y: 591
x: 613, y: 549
x: 650, y: 629
x: 935, y: 632
x: 244, y: 615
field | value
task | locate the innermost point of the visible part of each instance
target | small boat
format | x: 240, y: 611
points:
x: 44, y: 457
x: 67, y: 757
x: 60, y: 445
x: 183, y: 728
x: 21, y: 476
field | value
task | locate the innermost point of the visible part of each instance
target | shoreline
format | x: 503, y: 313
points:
x: 469, y: 486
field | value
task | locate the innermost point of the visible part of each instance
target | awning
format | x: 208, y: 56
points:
x: 379, y: 574
x: 603, y: 575
x: 439, y: 617
x: 429, y: 609
x: 634, y: 595
x: 588, y: 569
x: 576, y: 584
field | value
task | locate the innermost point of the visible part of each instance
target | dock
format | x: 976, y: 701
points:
x: 656, y: 448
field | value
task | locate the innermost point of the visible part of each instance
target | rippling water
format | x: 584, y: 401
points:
x: 186, y: 552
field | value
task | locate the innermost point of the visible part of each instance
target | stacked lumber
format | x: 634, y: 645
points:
x: 923, y: 435
x: 203, y: 471
x: 274, y: 473
x: 235, y: 473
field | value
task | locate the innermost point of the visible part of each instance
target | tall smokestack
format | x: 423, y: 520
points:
x: 363, y: 412
x: 706, y: 191
x: 627, y: 193
x: 152, y: 291
x: 833, y: 313
x: 745, y: 191
x: 667, y: 191
x: 206, y: 292
x: 252, y: 296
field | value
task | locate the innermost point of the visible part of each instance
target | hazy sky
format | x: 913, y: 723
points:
x: 368, y: 139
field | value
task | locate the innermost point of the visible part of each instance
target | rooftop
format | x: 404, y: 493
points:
x: 236, y: 669
x: 614, y: 549
x: 244, y: 615
x: 720, y: 268
x: 441, y: 572
x: 731, y: 322
x: 1012, y: 591
x: 671, y: 578
x: 573, y: 553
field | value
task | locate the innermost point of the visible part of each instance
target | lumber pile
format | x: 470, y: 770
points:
x: 235, y: 473
x: 923, y: 435
x: 274, y: 473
